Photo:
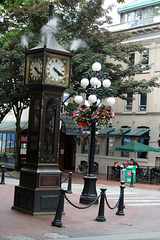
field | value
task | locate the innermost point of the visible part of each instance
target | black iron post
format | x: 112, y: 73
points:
x: 131, y: 183
x: 101, y: 217
x: 94, y: 94
x: 57, y: 220
x: 121, y: 201
x: 69, y: 189
x: 89, y: 193
x: 3, y: 170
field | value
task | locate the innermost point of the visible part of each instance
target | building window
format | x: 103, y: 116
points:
x: 131, y: 17
x: 12, y: 143
x: 7, y: 142
x: 0, y: 142
x: 110, y: 146
x: 125, y: 141
x: 85, y: 148
x: 145, y: 59
x: 123, y: 17
x: 143, y: 154
x: 156, y: 11
x: 128, y: 103
x: 4, y: 143
x: 140, y: 16
x: 131, y: 58
x: 142, y: 102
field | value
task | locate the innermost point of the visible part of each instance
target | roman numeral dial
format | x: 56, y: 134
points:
x: 55, y: 70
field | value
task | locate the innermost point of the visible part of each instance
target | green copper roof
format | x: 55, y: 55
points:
x: 137, y: 4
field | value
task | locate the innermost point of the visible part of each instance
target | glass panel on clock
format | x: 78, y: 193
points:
x: 34, y: 129
x: 49, y: 131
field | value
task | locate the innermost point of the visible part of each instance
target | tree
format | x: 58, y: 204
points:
x: 80, y: 29
x: 13, y: 93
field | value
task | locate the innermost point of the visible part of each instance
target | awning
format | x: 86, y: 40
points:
x: 69, y: 126
x: 120, y: 132
x: 105, y: 131
x: 138, y: 132
x: 10, y: 126
x: 139, y: 4
x: 125, y: 132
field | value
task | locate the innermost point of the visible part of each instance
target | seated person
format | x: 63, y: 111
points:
x: 126, y: 164
x: 116, y: 170
x: 134, y: 163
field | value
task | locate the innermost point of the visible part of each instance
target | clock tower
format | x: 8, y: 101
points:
x: 47, y: 75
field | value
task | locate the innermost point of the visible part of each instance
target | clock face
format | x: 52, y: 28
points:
x: 55, y: 69
x: 36, y: 69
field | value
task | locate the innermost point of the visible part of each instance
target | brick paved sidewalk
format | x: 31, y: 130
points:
x: 15, y: 225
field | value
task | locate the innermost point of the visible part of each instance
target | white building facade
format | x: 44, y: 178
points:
x: 137, y: 120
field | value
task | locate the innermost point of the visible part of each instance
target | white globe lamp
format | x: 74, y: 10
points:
x: 84, y: 82
x: 111, y: 101
x: 78, y: 99
x: 98, y: 84
x: 92, y: 98
x: 94, y: 81
x: 96, y: 67
x: 106, y: 83
x: 86, y: 102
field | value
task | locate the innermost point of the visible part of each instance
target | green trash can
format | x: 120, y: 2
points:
x: 129, y: 170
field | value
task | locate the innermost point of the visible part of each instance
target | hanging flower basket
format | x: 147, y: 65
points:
x: 85, y: 140
x: 83, y: 116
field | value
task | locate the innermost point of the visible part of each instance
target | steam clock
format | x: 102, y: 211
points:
x: 47, y: 75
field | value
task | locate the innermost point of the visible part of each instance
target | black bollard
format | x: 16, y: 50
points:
x: 101, y: 217
x: 3, y: 170
x: 131, y: 183
x: 121, y: 201
x: 69, y: 189
x: 57, y: 220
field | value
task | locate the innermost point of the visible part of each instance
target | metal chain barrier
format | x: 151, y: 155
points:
x: 101, y: 218
x: 78, y: 207
x: 10, y: 174
x: 112, y: 208
x: 65, y: 179
x: 142, y: 181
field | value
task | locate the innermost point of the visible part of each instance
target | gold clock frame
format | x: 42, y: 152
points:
x: 66, y: 61
x: 29, y: 59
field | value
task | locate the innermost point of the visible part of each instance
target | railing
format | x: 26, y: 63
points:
x: 148, y: 175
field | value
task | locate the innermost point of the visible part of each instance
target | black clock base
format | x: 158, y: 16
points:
x: 39, y: 190
x: 36, y: 201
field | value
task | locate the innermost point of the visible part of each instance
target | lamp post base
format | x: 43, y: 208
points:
x: 89, y: 193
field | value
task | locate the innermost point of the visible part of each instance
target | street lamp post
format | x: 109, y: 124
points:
x: 94, y: 92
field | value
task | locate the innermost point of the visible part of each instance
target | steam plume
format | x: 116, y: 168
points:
x: 77, y: 43
x: 24, y: 40
x: 49, y: 29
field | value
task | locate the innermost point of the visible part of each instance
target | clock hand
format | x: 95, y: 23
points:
x: 37, y: 70
x: 59, y: 74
